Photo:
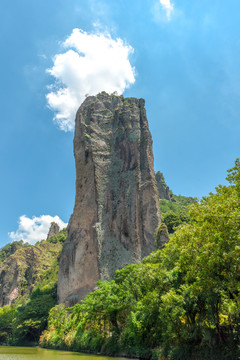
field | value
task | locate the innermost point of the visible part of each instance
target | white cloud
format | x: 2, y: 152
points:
x: 91, y: 63
x: 35, y: 229
x: 166, y: 4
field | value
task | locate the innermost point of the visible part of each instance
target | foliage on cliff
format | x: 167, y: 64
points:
x: 27, y: 318
x: 175, y: 212
x: 21, y: 271
x: 181, y: 302
x: 10, y: 249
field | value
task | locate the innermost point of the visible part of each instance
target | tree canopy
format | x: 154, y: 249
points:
x: 182, y: 302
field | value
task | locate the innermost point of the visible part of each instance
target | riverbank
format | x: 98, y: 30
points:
x: 38, y: 353
x: 99, y: 354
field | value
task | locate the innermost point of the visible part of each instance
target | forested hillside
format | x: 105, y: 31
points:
x: 10, y: 249
x: 35, y: 268
x: 175, y: 211
x: 182, y: 302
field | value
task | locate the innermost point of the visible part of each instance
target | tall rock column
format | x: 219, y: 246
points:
x: 116, y: 208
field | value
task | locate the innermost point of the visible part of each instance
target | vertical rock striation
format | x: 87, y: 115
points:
x: 116, y: 207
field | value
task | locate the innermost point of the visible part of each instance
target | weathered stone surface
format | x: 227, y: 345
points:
x: 163, y: 189
x: 20, y: 272
x: 116, y: 206
x: 53, y: 230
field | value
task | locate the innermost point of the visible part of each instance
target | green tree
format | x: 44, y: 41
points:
x: 172, y: 220
x: 206, y: 256
x: 7, y: 315
x: 31, y: 319
x: 181, y: 302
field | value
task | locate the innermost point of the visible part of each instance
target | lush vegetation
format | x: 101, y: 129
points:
x: 24, y: 322
x: 175, y: 211
x: 10, y: 249
x: 182, y: 302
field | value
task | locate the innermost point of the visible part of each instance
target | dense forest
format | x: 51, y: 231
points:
x: 181, y: 302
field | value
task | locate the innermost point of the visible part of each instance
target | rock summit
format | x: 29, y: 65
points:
x: 116, y: 208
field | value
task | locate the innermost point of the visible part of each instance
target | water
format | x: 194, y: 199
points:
x: 26, y: 353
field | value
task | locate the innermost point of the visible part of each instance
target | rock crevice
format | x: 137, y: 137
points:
x: 116, y: 208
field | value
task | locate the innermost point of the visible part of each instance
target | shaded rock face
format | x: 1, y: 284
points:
x: 116, y: 207
x: 163, y: 189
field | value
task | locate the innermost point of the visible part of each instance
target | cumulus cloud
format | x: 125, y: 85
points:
x: 166, y: 4
x: 35, y: 229
x: 90, y: 63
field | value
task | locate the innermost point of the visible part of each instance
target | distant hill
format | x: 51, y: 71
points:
x: 23, y: 266
x: 10, y: 249
x: 174, y: 208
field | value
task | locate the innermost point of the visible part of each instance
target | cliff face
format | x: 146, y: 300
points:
x: 21, y: 271
x: 163, y: 189
x: 116, y: 207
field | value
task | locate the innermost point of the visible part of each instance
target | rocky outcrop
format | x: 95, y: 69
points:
x: 116, y: 207
x: 54, y: 230
x: 163, y: 189
x: 21, y: 271
x: 10, y: 249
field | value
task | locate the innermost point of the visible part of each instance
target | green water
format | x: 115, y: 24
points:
x: 26, y: 353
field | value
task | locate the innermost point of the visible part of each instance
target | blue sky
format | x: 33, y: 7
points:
x: 186, y: 61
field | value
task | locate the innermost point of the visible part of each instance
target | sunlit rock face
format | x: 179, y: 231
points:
x: 54, y: 230
x: 22, y: 270
x: 116, y: 207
